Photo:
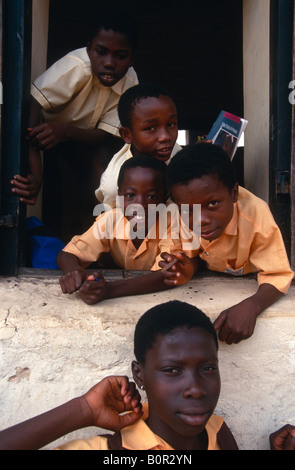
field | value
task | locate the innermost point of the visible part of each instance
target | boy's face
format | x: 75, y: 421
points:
x: 182, y: 382
x: 216, y: 200
x: 154, y: 127
x: 141, y: 186
x: 110, y: 55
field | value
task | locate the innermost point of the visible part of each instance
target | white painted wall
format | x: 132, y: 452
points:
x: 54, y: 347
x: 256, y: 34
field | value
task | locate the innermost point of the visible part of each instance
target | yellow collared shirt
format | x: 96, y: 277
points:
x: 140, y: 437
x: 252, y: 242
x: 108, y: 189
x: 110, y: 233
x: 69, y: 92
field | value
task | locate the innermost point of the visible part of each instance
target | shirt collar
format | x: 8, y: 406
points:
x: 118, y: 88
x: 232, y: 227
x: 140, y: 437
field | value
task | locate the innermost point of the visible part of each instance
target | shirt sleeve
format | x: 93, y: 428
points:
x: 94, y: 443
x: 89, y: 246
x: 58, y: 84
x: 269, y: 256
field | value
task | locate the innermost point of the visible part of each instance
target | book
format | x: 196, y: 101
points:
x: 226, y: 131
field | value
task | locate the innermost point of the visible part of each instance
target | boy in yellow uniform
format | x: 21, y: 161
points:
x: 132, y: 240
x: 148, y: 117
x: 176, y: 352
x: 78, y: 96
x: 238, y: 233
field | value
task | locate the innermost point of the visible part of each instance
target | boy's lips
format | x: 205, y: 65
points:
x: 209, y: 234
x: 194, y: 417
x: 107, y: 78
x: 164, y: 152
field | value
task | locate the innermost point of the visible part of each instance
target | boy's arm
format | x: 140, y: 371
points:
x: 238, y: 322
x: 74, y: 273
x: 47, y: 135
x: 28, y: 187
x: 95, y: 288
x: 100, y: 407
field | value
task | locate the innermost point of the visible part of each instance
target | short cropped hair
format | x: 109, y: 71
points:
x: 196, y: 161
x: 142, y: 161
x: 120, y: 22
x: 163, y: 319
x: 134, y: 95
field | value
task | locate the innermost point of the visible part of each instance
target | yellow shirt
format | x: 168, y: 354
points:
x: 140, y: 437
x: 69, y: 92
x: 112, y: 232
x: 251, y: 242
x: 108, y: 188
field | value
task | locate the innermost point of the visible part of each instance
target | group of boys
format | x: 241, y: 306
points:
x: 98, y: 93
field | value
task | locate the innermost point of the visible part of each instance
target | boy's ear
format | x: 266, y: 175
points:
x: 137, y: 374
x: 125, y: 133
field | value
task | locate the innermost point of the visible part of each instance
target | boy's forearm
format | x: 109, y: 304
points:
x: 143, y: 284
x: 88, y: 136
x: 67, y: 262
x: 43, y: 429
x: 265, y: 296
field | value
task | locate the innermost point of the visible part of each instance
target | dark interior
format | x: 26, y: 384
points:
x: 194, y: 49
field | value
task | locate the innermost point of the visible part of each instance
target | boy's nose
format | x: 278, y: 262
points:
x: 194, y: 388
x: 164, y: 135
x: 205, y: 219
x: 109, y: 61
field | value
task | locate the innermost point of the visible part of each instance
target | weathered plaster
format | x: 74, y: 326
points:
x: 54, y: 347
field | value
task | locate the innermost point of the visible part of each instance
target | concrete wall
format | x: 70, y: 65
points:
x: 54, y: 347
x: 256, y: 35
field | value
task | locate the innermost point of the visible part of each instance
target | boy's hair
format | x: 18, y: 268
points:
x: 134, y: 95
x: 120, y: 22
x: 142, y: 161
x: 163, y: 319
x: 198, y: 160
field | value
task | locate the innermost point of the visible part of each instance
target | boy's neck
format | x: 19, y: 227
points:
x: 180, y: 442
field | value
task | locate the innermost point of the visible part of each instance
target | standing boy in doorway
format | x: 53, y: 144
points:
x: 76, y: 99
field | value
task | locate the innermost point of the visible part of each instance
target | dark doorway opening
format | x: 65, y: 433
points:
x: 194, y: 49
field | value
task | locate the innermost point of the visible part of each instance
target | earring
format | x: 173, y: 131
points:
x: 141, y: 387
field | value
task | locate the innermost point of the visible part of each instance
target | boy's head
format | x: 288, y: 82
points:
x: 111, y: 47
x: 203, y: 174
x: 141, y: 182
x: 176, y: 347
x: 148, y: 118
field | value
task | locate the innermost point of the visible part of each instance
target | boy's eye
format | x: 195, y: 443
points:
x: 173, y: 124
x: 129, y: 195
x: 122, y: 55
x: 171, y: 371
x: 209, y: 369
x: 213, y: 204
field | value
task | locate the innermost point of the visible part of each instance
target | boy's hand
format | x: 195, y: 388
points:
x: 110, y: 397
x: 283, y: 439
x: 93, y: 289
x: 26, y: 188
x: 237, y: 323
x: 181, y: 272
x: 47, y: 135
x: 72, y: 281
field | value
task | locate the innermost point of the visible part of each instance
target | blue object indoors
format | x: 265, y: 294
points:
x: 42, y: 245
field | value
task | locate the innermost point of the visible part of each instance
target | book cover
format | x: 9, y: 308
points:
x: 227, y: 131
